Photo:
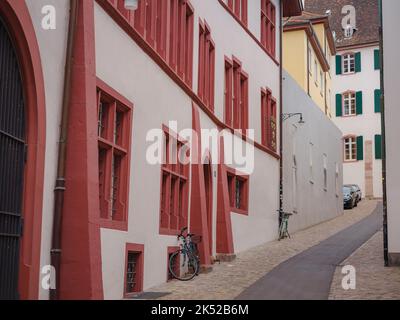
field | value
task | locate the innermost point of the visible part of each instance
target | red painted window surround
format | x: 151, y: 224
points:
x: 167, y: 26
x: 134, y: 269
x: 239, y: 9
x: 236, y: 95
x: 114, y: 140
x: 174, y: 186
x: 135, y: 36
x: 238, y: 188
x: 206, y: 65
x: 258, y: 41
x: 268, y: 26
x: 268, y: 120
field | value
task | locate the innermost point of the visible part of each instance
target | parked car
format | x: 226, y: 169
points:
x: 349, y: 198
x: 357, y: 189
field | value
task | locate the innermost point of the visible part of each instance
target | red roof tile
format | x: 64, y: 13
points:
x: 367, y: 20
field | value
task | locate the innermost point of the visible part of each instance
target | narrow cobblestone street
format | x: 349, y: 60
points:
x: 228, y: 280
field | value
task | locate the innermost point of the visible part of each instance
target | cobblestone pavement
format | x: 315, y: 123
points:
x: 228, y: 280
x: 373, y: 280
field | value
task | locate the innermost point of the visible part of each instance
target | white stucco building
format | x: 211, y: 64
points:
x: 356, y: 89
x: 100, y: 84
x: 312, y: 160
x: 391, y: 72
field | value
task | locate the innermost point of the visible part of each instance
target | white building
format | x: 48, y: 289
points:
x: 391, y: 72
x: 312, y: 160
x: 356, y: 89
x: 103, y: 208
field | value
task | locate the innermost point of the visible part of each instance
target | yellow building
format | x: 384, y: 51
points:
x: 308, y: 46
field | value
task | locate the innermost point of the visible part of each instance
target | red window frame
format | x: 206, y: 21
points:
x: 206, y: 65
x: 136, y: 249
x: 181, y: 39
x: 268, y: 26
x: 239, y: 9
x: 174, y: 190
x: 114, y: 144
x: 268, y: 120
x: 236, y: 95
x: 167, y: 26
x: 235, y: 178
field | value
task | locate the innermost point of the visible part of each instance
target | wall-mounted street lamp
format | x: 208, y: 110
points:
x: 131, y: 4
x: 287, y: 116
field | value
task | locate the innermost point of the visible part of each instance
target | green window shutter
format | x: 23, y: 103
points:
x: 377, y: 100
x: 360, y: 148
x: 339, y: 106
x: 377, y: 59
x: 378, y: 147
x: 358, y: 61
x: 338, y: 64
x: 359, y: 102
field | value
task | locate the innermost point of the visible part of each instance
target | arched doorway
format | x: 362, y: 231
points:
x: 23, y: 137
x: 207, y: 169
x: 12, y: 164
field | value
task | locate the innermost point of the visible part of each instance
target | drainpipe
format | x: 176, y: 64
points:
x: 281, y: 114
x: 55, y: 253
x: 385, y: 227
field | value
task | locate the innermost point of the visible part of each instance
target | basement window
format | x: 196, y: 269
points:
x: 134, y: 269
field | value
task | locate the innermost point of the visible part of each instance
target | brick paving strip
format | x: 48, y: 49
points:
x: 308, y: 276
x: 373, y: 280
x: 228, y: 280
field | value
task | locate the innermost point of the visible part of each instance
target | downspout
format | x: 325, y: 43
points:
x: 385, y: 227
x: 55, y: 253
x: 280, y: 114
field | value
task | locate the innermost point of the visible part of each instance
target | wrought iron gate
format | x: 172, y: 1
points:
x: 12, y: 161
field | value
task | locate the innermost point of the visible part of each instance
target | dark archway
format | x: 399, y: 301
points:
x: 31, y: 133
x: 12, y: 164
x: 208, y: 181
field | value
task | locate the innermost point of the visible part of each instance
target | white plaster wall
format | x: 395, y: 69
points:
x: 157, y: 99
x: 368, y: 124
x: 390, y: 11
x: 52, y: 46
x: 312, y: 203
x: 261, y: 224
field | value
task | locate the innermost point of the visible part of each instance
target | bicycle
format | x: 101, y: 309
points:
x: 284, y: 226
x: 186, y: 257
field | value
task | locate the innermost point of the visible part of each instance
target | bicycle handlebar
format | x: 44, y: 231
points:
x: 182, y: 231
x: 286, y: 213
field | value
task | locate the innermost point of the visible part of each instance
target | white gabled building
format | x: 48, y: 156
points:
x: 356, y: 89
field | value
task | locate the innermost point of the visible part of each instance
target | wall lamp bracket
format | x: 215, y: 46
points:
x: 287, y: 116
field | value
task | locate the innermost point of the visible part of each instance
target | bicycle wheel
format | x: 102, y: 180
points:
x: 183, y: 265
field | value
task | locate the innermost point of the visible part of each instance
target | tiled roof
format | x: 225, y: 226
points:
x: 305, y: 17
x: 367, y: 19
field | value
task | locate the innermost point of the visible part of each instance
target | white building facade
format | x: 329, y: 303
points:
x: 312, y: 160
x: 391, y: 71
x: 356, y: 97
x: 168, y: 68
x: 356, y: 89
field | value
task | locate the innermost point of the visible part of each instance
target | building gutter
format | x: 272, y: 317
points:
x: 385, y: 211
x: 59, y: 190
